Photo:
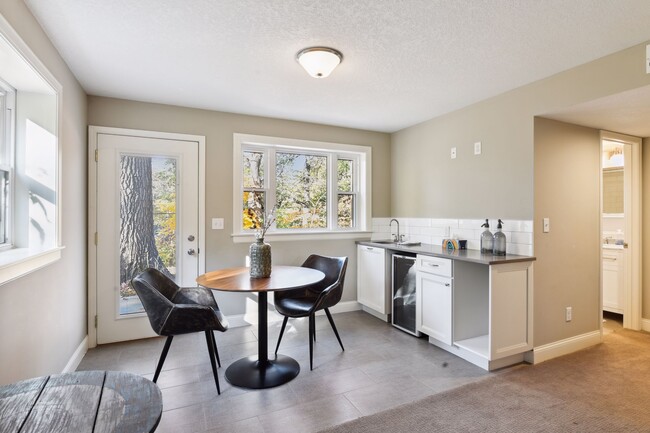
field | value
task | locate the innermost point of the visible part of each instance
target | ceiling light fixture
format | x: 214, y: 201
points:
x: 319, y: 62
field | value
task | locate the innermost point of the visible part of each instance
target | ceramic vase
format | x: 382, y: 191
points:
x: 260, y: 254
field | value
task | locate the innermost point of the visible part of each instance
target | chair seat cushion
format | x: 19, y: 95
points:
x: 295, y: 307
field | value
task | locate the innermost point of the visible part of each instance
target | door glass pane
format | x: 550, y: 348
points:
x: 301, y: 191
x: 148, y: 236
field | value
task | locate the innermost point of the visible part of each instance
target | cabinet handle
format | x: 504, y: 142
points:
x: 610, y: 258
x: 447, y: 284
x: 432, y: 265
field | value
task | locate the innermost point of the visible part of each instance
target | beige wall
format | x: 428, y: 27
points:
x: 567, y: 190
x: 218, y: 128
x: 499, y: 182
x: 43, y: 315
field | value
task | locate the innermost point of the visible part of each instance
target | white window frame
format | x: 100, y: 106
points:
x: 16, y: 262
x: 362, y: 190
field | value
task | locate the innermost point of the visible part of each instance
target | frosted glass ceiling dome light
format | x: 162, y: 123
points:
x: 319, y: 62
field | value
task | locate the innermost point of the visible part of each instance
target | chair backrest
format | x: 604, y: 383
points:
x: 334, y: 269
x: 155, y: 291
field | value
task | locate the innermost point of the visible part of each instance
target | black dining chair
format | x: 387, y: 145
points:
x: 306, y: 301
x: 174, y: 310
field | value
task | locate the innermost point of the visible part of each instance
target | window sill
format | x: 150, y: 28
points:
x: 240, y: 238
x: 18, y: 262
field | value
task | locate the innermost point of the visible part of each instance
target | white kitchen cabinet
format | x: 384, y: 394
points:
x: 434, y: 306
x: 372, y: 280
x: 482, y: 312
x: 613, y: 280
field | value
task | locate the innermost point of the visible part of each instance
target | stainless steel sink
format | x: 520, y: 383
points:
x: 384, y: 241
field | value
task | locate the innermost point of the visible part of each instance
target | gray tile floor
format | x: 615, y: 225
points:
x: 380, y: 368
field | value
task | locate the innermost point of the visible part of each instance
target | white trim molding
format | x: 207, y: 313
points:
x: 645, y: 325
x: 77, y: 356
x: 563, y: 347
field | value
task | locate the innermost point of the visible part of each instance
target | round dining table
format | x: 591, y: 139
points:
x: 258, y: 372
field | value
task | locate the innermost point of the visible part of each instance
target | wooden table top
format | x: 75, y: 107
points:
x: 239, y: 279
x: 82, y: 401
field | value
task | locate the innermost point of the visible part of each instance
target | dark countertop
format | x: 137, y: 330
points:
x: 473, y: 256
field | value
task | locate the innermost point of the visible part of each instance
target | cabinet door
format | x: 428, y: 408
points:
x: 434, y: 306
x: 612, y: 282
x: 371, y: 278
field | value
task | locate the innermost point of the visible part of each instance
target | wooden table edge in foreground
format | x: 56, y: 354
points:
x: 81, y: 401
x: 259, y: 372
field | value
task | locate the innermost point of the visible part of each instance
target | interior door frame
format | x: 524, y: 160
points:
x: 632, y: 304
x: 93, y: 132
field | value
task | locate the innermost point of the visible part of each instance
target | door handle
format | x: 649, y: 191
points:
x: 191, y: 252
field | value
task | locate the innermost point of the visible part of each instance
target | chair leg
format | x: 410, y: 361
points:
x: 311, y: 341
x: 163, y: 355
x: 216, y: 349
x: 212, y: 360
x: 284, y: 324
x: 329, y: 317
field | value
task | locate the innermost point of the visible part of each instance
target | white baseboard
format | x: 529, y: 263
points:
x: 239, y: 320
x: 645, y: 325
x: 563, y: 347
x: 77, y: 356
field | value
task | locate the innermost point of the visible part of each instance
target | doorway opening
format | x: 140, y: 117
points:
x: 620, y: 227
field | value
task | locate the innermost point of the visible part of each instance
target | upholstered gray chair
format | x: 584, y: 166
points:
x: 173, y: 310
x: 306, y: 301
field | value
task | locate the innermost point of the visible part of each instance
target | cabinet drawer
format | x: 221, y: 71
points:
x: 434, y: 265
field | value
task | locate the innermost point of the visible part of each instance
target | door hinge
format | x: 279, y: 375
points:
x: 95, y: 321
x: 96, y: 155
x: 96, y: 238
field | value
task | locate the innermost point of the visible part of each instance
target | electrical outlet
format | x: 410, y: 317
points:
x: 547, y: 225
x: 569, y: 314
x: 477, y: 148
x: 217, y: 223
x: 453, y: 153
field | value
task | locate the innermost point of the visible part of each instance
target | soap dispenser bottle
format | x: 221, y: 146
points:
x: 486, y: 239
x: 499, y: 241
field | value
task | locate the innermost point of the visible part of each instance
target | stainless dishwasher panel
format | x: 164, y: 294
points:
x: 403, y: 293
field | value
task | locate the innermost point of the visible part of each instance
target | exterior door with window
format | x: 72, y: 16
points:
x: 147, y: 214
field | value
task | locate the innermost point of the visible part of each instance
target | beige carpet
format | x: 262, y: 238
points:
x: 605, y: 388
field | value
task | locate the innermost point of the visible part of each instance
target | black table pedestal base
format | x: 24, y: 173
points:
x: 250, y: 373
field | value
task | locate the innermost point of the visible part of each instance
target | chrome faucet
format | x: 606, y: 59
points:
x: 390, y: 226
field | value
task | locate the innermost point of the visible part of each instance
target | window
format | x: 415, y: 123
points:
x: 29, y: 160
x: 313, y: 188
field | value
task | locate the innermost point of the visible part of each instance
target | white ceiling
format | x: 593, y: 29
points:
x: 404, y: 61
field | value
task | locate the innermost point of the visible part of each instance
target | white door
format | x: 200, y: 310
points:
x: 147, y: 215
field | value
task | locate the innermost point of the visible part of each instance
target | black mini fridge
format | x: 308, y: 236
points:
x: 403, y: 291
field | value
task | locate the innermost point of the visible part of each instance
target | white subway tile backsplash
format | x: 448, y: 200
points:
x: 436, y: 222
x: 519, y: 233
x: 463, y: 234
x: 520, y: 238
x: 470, y: 224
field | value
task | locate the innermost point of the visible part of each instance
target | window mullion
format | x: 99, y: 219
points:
x: 332, y: 192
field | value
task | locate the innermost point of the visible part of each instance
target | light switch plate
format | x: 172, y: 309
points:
x: 453, y: 153
x: 217, y: 223
x: 647, y: 59
x: 547, y: 225
x: 477, y: 148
